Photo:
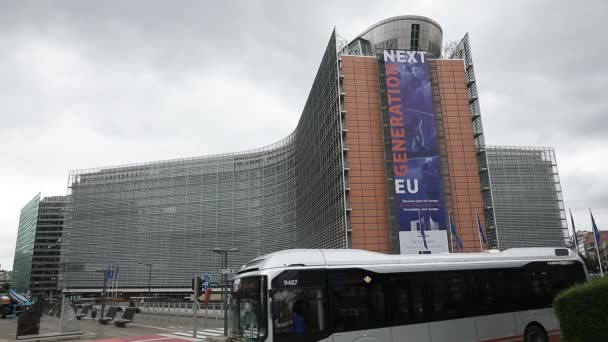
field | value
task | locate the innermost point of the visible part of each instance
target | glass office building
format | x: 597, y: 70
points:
x: 24, y: 249
x: 329, y: 184
x: 527, y: 197
x: 47, y: 245
x: 37, y: 254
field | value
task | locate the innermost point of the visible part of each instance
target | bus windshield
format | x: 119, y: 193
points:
x: 249, y: 309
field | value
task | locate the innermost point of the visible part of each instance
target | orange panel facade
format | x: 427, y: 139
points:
x: 365, y: 156
x: 462, y: 166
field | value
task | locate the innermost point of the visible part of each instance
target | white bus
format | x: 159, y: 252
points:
x: 353, y: 295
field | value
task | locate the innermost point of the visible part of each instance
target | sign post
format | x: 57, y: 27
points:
x: 195, y: 291
x: 206, y: 289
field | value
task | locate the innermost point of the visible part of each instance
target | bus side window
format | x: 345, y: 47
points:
x: 400, y: 299
x: 564, y: 276
x: 449, y: 295
x: 417, y: 291
x: 490, y: 290
x: 537, y: 287
x: 357, y: 300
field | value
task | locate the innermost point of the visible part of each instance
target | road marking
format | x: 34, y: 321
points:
x: 150, y: 326
x: 205, y: 332
x: 153, y: 339
x: 184, y: 338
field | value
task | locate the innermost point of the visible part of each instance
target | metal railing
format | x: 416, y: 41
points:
x: 178, y: 312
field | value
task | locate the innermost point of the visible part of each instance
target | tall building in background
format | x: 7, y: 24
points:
x: 47, y: 245
x: 24, y: 249
x: 388, y: 151
x: 528, y: 205
x: 37, y: 254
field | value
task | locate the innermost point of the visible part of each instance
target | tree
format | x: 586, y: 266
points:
x: 5, y: 287
x: 581, y: 311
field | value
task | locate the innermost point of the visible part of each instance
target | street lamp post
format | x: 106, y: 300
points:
x: 53, y: 286
x: 149, y: 276
x: 223, y: 252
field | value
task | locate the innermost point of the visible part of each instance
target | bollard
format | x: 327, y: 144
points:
x: 179, y: 309
x: 176, y: 311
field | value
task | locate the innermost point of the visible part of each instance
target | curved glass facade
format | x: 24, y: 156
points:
x: 172, y: 213
x: 407, y: 32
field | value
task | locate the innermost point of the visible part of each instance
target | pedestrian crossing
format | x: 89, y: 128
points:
x: 202, y: 333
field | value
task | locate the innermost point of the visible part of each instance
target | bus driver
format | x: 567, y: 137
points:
x: 296, y: 325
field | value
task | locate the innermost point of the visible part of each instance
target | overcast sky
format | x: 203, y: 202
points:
x: 85, y: 84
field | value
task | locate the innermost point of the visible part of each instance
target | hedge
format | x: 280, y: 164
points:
x: 582, y: 311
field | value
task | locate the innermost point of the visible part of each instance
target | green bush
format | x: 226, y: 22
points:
x: 582, y: 311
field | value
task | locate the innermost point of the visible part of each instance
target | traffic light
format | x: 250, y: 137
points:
x: 199, y: 291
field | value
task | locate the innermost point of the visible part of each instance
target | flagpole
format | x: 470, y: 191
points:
x: 451, y: 233
x: 597, y: 250
x: 113, y: 281
x: 478, y: 231
x: 116, y: 284
x: 597, y: 243
x: 420, y: 229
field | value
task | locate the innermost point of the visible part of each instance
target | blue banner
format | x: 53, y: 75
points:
x: 415, y: 151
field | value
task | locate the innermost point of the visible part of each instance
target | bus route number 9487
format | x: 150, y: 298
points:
x: 292, y: 282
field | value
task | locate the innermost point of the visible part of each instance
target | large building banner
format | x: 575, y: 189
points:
x: 419, y: 195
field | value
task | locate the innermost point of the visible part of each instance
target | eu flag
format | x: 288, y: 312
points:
x: 455, y: 232
x: 480, y: 228
x: 595, y: 230
x: 575, y: 240
x: 421, y: 224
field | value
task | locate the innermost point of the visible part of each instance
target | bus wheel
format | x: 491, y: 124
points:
x: 535, y: 333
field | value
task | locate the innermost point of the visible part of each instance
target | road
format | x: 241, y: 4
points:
x: 157, y: 328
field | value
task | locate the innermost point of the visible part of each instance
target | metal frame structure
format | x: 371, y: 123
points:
x: 527, y: 194
x: 461, y: 49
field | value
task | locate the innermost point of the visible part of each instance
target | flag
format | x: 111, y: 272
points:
x: 421, y: 224
x: 595, y: 230
x: 575, y: 240
x: 480, y: 228
x: 455, y: 233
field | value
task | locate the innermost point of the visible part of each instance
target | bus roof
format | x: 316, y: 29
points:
x: 356, y: 257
